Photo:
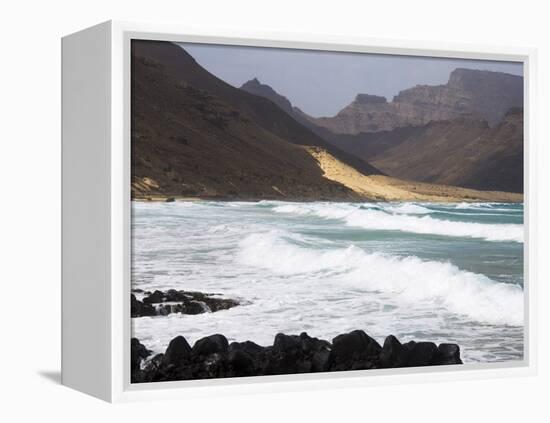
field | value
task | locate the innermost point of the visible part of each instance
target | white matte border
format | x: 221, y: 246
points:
x: 122, y: 390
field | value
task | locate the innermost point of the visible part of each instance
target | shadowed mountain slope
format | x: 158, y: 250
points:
x: 463, y: 151
x: 189, y: 142
x: 180, y: 66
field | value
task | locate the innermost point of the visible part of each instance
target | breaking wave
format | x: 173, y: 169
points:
x: 408, y: 279
x: 403, y: 218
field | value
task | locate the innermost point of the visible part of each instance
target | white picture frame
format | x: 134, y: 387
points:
x: 96, y: 212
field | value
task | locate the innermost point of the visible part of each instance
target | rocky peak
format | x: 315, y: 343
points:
x: 484, y: 94
x: 254, y: 86
x: 369, y: 99
x: 252, y: 82
x: 474, y: 79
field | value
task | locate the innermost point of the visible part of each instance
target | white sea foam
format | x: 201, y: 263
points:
x: 407, y: 208
x: 372, y: 219
x: 409, y: 280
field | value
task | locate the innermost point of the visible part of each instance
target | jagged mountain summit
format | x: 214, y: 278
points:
x: 486, y: 94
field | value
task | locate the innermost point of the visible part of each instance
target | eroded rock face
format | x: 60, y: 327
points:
x: 214, y: 357
x: 488, y: 95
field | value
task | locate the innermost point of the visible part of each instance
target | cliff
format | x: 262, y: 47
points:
x: 488, y: 95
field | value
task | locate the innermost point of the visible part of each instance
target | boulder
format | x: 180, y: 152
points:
x: 449, y: 354
x: 188, y: 303
x: 241, y: 363
x: 193, y: 307
x: 211, y: 345
x: 217, y: 304
x: 138, y: 353
x: 421, y: 354
x: 393, y: 353
x: 155, y: 297
x: 297, y: 354
x: 248, y: 347
x: 139, y: 309
x: 212, y: 357
x: 354, y: 350
x: 286, y: 343
x: 321, y: 361
x: 178, y: 351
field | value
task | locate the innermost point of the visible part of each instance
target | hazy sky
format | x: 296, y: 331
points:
x: 322, y: 83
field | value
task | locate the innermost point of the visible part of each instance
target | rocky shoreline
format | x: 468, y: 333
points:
x: 159, y: 303
x: 214, y: 357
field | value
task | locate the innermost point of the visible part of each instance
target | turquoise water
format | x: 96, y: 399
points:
x: 438, y: 272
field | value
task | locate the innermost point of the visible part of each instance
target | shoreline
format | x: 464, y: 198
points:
x: 214, y: 357
x: 165, y: 198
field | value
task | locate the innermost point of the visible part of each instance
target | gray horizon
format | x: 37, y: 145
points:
x: 321, y: 83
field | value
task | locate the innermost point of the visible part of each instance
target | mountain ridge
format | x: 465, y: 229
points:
x: 484, y: 93
x: 181, y: 66
x: 474, y: 146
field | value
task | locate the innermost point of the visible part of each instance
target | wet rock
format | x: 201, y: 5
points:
x: 212, y: 357
x: 138, y: 309
x: 186, y: 302
x: 241, y: 363
x: 155, y: 298
x: 355, y: 350
x: 194, y: 307
x: 297, y: 354
x: 393, y: 353
x: 178, y: 351
x: 138, y: 353
x: 421, y: 354
x: 211, y: 345
x: 248, y: 347
x: 449, y: 354
x: 321, y: 360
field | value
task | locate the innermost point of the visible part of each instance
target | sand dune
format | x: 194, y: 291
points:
x: 384, y: 188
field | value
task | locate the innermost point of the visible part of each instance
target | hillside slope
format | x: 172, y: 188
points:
x: 462, y: 152
x: 181, y: 67
x: 385, y: 188
x: 188, y: 142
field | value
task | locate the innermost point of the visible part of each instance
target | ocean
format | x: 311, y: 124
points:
x: 419, y: 271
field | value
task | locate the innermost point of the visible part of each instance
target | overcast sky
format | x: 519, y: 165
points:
x: 322, y: 83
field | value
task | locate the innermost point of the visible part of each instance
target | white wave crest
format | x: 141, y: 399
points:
x: 409, y: 280
x: 373, y: 219
x: 407, y: 208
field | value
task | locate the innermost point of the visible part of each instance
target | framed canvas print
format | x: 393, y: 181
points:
x: 268, y: 211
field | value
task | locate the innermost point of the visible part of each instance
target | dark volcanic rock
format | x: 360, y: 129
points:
x: 422, y: 354
x: 212, y: 357
x: 211, y: 345
x: 138, y: 352
x: 297, y: 354
x: 241, y: 363
x: 393, y: 353
x: 177, y: 352
x: 354, y: 350
x: 449, y: 354
x: 155, y: 297
x: 185, y: 302
x: 138, y: 309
